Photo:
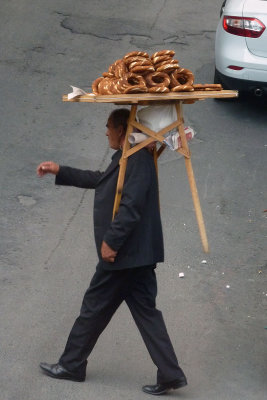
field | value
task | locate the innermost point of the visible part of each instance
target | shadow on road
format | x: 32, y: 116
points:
x: 247, y: 104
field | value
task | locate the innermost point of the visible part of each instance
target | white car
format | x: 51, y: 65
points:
x: 241, y: 46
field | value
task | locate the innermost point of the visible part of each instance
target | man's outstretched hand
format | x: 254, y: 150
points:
x: 47, y: 167
x: 107, y: 253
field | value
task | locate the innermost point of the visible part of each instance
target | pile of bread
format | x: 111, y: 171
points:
x: 137, y: 72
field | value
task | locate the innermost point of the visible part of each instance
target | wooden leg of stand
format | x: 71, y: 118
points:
x: 155, y: 156
x: 123, y: 161
x: 192, y: 181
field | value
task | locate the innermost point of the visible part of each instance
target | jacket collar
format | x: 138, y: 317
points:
x: 117, y: 154
x: 113, y: 165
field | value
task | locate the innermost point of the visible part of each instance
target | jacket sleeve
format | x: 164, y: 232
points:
x: 137, y: 182
x: 68, y: 176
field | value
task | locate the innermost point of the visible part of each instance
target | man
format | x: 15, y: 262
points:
x: 128, y: 248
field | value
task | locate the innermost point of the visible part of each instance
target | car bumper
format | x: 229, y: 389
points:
x: 242, y: 85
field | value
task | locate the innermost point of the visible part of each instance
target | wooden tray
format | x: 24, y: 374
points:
x: 146, y: 98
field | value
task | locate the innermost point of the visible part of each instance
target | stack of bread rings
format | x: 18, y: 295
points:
x: 137, y: 72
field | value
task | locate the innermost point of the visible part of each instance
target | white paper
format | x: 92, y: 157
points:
x: 137, y: 137
x: 173, y: 141
x: 76, y: 92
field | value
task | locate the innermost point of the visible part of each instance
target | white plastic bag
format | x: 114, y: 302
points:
x: 157, y: 117
x: 154, y: 118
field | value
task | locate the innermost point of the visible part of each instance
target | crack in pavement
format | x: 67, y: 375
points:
x: 115, y: 29
x: 158, y: 14
x: 116, y: 37
x: 83, y: 26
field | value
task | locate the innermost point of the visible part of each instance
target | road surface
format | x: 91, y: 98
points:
x: 216, y: 314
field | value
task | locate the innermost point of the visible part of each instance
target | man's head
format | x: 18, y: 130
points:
x: 116, y: 127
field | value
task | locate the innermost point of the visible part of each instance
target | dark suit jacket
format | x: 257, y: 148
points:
x: 136, y: 231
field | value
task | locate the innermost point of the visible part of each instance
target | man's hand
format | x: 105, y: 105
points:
x: 151, y: 146
x: 47, y: 167
x: 107, y: 253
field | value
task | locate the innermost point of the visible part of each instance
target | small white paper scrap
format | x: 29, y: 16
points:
x: 204, y: 262
x: 137, y: 137
x: 181, y: 275
x: 76, y: 92
x: 228, y: 286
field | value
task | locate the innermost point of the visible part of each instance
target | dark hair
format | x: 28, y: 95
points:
x: 119, y: 117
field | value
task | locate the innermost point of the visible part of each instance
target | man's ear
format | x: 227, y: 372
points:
x: 121, y: 131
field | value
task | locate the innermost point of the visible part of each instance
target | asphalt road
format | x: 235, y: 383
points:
x: 216, y: 314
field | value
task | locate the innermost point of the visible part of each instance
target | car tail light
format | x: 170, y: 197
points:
x: 243, y: 26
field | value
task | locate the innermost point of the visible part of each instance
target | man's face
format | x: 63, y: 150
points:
x: 114, y: 135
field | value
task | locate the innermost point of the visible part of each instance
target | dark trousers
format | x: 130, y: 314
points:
x: 108, y: 289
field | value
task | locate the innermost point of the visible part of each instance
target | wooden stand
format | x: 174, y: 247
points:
x: 148, y: 99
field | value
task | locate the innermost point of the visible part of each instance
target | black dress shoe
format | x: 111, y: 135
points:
x: 162, y: 388
x: 59, y: 372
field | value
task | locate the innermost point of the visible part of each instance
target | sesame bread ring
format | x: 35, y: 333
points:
x: 104, y: 86
x: 168, y: 68
x: 136, y: 53
x: 216, y: 86
x: 213, y: 86
x: 206, y: 90
x: 95, y: 85
x: 159, y: 59
x: 120, y: 69
x: 132, y: 83
x: 159, y: 89
x: 198, y: 86
x: 122, y: 84
x: 130, y: 60
x: 182, y: 88
x: 170, y: 61
x: 134, y: 79
x: 143, y: 61
x: 130, y: 79
x: 174, y: 80
x: 170, y: 53
x: 182, y: 76
x: 143, y: 69
x: 136, y: 89
x: 111, y: 69
x: 108, y: 75
x: 114, y: 87
x: 156, y: 79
